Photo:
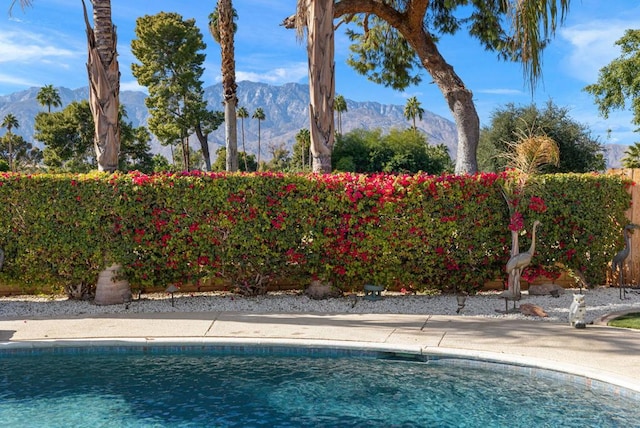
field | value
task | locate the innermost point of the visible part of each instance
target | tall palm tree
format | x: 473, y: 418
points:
x: 259, y: 114
x: 317, y: 17
x: 49, y: 96
x: 631, y: 157
x: 303, y: 140
x: 243, y: 113
x: 104, y: 84
x: 412, y: 110
x: 10, y: 122
x: 222, y: 26
x: 104, y: 100
x: 340, y: 106
x: 104, y: 81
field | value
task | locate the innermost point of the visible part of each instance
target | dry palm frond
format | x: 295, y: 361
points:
x: 525, y: 157
x: 301, y: 18
x: 531, y: 152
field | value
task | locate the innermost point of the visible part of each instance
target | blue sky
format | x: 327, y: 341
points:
x: 46, y: 44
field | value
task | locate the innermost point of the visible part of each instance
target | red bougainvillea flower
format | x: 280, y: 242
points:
x: 139, y: 178
x: 517, y: 222
x: 537, y: 204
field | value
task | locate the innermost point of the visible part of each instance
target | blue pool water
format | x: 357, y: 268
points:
x: 213, y: 388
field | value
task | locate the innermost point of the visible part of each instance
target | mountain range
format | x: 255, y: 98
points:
x: 285, y: 108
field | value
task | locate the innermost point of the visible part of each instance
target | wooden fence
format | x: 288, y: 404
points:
x: 632, y: 268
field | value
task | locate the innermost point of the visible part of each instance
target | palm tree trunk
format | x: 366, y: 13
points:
x: 246, y: 167
x: 231, y: 136
x: 104, y: 84
x: 258, y: 167
x: 225, y: 11
x: 10, y: 138
x: 320, y: 49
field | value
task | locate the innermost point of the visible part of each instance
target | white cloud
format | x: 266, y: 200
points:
x: 27, y: 47
x: 407, y: 95
x: 132, y: 86
x: 6, y: 79
x: 592, y: 46
x: 292, y: 73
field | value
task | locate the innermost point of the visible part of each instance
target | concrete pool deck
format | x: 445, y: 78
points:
x: 597, y: 352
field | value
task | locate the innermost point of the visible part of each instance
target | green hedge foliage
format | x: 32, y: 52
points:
x: 412, y: 231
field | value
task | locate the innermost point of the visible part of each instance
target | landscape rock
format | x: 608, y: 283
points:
x: 546, y: 290
x: 532, y: 310
x: 600, y: 302
x: 319, y: 290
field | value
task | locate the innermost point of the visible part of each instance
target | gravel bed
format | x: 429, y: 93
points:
x: 599, y: 301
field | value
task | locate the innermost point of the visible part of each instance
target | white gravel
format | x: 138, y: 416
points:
x: 600, y: 301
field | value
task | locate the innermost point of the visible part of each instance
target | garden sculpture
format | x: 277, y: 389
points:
x: 577, y: 311
x: 619, y: 259
x: 516, y: 265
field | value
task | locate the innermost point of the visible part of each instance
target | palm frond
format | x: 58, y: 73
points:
x: 530, y: 152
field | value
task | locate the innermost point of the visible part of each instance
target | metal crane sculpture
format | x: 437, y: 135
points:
x: 516, y: 265
x: 619, y: 259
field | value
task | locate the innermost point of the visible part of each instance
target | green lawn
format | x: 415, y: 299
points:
x: 630, y: 320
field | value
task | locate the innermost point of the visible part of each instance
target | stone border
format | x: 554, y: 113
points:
x: 605, y: 319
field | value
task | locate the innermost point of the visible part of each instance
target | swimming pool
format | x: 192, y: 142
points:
x: 286, y: 387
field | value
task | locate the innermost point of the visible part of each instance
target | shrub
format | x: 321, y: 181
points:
x: 427, y: 232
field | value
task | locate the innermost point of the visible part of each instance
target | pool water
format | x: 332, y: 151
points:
x: 217, y: 389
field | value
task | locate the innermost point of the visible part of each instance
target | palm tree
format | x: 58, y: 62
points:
x: 49, y: 96
x: 10, y: 122
x: 104, y: 84
x: 340, y: 106
x: 259, y: 114
x: 104, y: 97
x: 303, y: 145
x: 412, y: 110
x: 222, y: 26
x: 631, y: 157
x: 243, y: 113
x: 104, y: 81
x: 317, y: 17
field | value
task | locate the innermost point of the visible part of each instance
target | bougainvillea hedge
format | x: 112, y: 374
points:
x: 419, y: 231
